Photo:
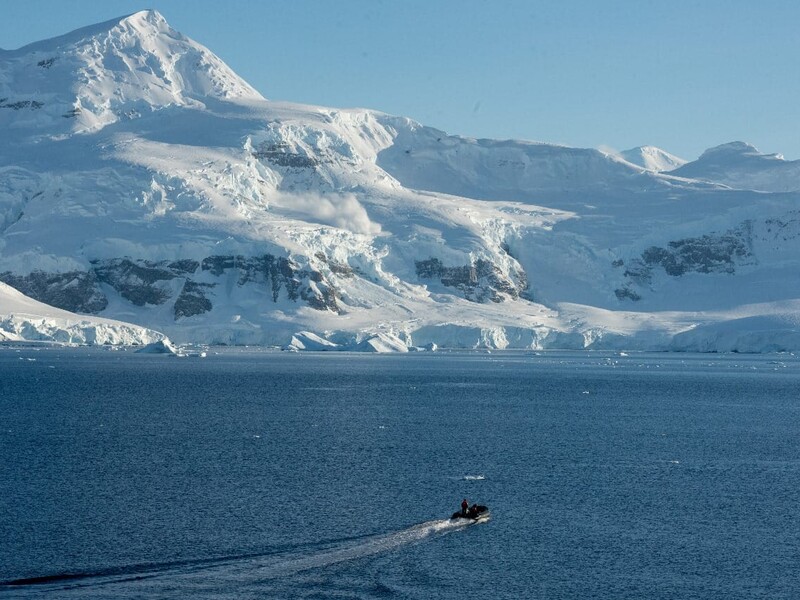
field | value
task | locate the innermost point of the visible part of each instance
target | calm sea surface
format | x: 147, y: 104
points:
x: 274, y: 475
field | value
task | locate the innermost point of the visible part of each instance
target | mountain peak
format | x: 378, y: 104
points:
x: 741, y: 165
x: 737, y: 152
x: 118, y: 69
x: 652, y: 158
x: 148, y: 15
x: 146, y: 22
x: 731, y: 149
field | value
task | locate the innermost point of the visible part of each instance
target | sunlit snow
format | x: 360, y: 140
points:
x: 142, y: 180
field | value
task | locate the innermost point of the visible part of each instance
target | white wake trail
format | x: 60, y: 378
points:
x: 357, y: 549
x: 250, y: 573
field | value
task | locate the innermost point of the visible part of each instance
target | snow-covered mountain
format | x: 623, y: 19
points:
x: 142, y: 180
x: 99, y: 75
x: 652, y: 158
x: 740, y: 165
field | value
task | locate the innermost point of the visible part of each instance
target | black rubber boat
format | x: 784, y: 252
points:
x: 475, y: 512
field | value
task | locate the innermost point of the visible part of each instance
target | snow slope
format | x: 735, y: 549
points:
x: 740, y: 165
x: 25, y: 319
x: 142, y: 180
x: 652, y: 158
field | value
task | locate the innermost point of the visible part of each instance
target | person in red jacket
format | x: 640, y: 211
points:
x: 464, y: 507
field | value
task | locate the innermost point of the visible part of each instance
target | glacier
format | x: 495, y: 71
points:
x: 23, y: 319
x: 142, y: 181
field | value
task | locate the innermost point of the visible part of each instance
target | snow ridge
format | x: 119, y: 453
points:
x: 652, y: 159
x: 99, y: 75
x: 740, y: 165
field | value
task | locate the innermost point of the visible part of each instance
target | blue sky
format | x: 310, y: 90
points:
x: 683, y: 75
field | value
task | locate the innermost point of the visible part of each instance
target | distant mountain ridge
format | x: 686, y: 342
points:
x: 652, y: 158
x: 741, y: 165
x: 142, y: 180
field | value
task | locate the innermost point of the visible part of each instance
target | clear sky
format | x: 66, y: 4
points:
x: 683, y: 75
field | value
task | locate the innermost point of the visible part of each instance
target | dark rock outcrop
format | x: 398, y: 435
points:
x: 336, y: 267
x: 710, y: 253
x: 20, y: 104
x: 278, y: 273
x: 144, y: 282
x: 481, y: 281
x: 626, y: 292
x: 140, y: 281
x: 192, y: 300
x: 280, y: 154
x: 75, y: 291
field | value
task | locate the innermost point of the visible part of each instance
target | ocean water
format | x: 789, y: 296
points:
x: 274, y: 475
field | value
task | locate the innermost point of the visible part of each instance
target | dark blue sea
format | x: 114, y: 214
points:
x: 255, y: 474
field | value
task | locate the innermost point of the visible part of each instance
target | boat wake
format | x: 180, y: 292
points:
x: 210, y: 577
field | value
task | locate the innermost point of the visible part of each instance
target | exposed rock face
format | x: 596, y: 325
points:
x: 278, y: 273
x: 782, y: 229
x: 481, y: 281
x: 281, y: 155
x: 626, y: 292
x: 192, y: 300
x: 711, y: 253
x: 141, y: 281
x: 338, y: 268
x: 144, y: 282
x: 75, y: 291
x: 20, y: 104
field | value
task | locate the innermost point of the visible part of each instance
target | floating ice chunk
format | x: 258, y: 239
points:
x: 305, y: 340
x: 380, y: 343
x: 160, y: 347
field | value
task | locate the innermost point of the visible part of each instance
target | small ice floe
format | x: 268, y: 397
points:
x: 306, y: 340
x: 426, y: 348
x: 193, y: 351
x: 379, y: 343
x: 623, y: 354
x: 160, y: 347
x: 474, y: 477
x: 585, y: 392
